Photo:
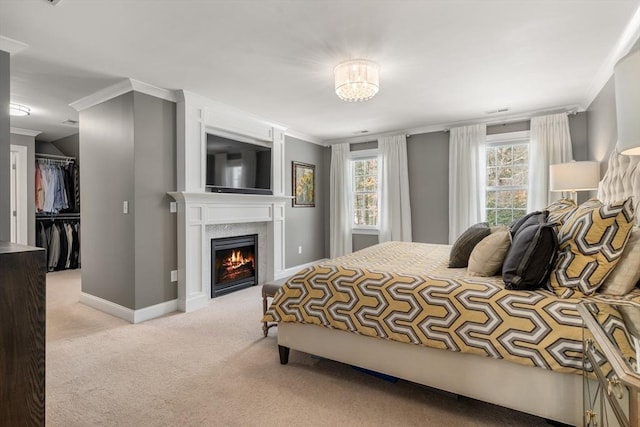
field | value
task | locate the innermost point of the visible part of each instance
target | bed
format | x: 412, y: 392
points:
x: 396, y: 308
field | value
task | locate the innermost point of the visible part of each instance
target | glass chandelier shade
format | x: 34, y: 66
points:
x: 356, y: 80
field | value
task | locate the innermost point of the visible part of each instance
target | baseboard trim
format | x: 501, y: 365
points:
x: 293, y: 270
x: 131, y: 316
x: 154, y: 311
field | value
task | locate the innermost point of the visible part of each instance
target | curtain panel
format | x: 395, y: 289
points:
x: 395, y: 207
x: 550, y: 143
x: 467, y: 178
x: 340, y: 201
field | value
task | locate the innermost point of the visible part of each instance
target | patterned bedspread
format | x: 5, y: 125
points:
x: 405, y: 292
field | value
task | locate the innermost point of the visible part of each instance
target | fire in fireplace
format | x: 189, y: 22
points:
x: 234, y: 264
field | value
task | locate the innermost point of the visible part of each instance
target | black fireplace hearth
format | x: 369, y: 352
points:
x: 234, y: 264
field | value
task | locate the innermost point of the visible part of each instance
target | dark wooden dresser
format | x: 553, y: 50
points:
x: 22, y: 335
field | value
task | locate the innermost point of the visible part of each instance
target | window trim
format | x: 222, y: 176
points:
x: 372, y: 153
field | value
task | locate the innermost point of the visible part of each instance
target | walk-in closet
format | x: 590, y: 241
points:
x: 57, y: 204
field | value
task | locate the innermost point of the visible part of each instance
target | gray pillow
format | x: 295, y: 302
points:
x: 461, y: 250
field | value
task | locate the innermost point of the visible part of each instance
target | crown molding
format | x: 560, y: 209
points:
x: 12, y: 46
x: 120, y: 88
x: 217, y: 107
x: 25, y: 132
x: 306, y: 137
x: 630, y: 36
x: 444, y: 127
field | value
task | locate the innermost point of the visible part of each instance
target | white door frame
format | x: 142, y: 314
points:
x: 19, y: 192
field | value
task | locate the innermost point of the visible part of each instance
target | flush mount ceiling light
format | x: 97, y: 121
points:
x: 18, y: 110
x: 356, y: 80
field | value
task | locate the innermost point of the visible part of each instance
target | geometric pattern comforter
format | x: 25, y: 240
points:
x: 405, y: 292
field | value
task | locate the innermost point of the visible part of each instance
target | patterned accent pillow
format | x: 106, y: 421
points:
x: 487, y: 257
x: 560, y: 211
x: 461, y: 250
x: 591, y: 242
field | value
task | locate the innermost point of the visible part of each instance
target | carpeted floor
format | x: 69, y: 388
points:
x: 212, y: 367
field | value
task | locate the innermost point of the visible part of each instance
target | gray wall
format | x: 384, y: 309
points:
x: 579, y: 136
x: 306, y: 226
x: 155, y: 174
x: 29, y: 142
x: 428, y: 161
x: 5, y: 155
x: 106, y: 180
x: 127, y: 146
x: 602, y: 126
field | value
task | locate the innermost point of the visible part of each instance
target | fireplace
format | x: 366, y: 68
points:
x: 234, y: 264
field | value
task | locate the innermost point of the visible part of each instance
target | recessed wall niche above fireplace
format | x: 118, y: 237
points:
x: 234, y: 264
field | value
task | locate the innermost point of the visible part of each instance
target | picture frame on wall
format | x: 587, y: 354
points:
x: 303, y: 183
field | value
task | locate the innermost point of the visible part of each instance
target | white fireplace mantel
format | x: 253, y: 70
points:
x: 196, y: 117
x: 198, y: 210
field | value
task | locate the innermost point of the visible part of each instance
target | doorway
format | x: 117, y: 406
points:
x: 19, y: 190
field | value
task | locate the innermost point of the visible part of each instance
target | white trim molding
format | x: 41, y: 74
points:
x: 307, y: 138
x: 131, y: 316
x: 127, y: 85
x: 12, y: 46
x: 25, y: 132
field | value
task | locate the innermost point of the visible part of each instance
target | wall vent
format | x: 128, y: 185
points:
x: 498, y: 110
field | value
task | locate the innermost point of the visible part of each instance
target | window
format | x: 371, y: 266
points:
x: 507, y: 177
x: 364, y: 172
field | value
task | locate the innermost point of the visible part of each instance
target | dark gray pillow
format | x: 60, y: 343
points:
x: 531, y: 257
x: 461, y: 250
x: 537, y: 217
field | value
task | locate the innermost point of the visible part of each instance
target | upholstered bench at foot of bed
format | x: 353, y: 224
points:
x: 269, y: 289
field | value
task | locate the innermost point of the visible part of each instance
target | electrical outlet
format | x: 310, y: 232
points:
x: 173, y: 207
x: 299, y: 249
x: 174, y: 275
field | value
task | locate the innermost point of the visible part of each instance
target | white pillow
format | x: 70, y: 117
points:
x: 626, y: 273
x: 487, y: 256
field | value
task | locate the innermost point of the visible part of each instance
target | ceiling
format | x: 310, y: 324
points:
x: 441, y: 62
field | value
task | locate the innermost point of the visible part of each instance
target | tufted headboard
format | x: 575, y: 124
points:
x: 621, y: 180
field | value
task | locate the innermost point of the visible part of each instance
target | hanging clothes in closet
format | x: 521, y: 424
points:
x: 57, y: 188
x: 61, y: 239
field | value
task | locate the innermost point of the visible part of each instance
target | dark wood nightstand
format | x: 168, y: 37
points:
x: 611, y: 348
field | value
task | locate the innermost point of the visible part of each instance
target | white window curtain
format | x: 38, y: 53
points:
x: 341, y: 217
x: 550, y: 143
x: 467, y: 178
x: 395, y: 208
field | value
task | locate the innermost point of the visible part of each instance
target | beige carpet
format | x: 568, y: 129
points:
x: 213, y: 368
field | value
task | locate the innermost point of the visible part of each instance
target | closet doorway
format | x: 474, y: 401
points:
x: 19, y: 189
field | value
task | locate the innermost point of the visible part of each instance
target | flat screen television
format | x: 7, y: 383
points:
x: 235, y: 166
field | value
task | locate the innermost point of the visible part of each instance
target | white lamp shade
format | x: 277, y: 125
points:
x: 574, y: 176
x: 627, y: 83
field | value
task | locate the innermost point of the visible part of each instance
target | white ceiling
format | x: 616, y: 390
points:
x: 441, y: 62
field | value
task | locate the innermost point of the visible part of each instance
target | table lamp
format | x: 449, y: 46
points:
x: 573, y: 177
